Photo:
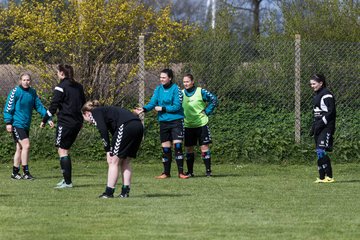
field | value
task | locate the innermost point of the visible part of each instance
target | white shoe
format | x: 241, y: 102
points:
x: 64, y: 185
x: 60, y: 183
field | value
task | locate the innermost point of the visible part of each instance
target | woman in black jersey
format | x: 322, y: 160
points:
x: 67, y: 101
x: 323, y: 127
x: 126, y: 130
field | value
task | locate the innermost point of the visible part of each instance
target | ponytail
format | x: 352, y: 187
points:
x: 90, y: 105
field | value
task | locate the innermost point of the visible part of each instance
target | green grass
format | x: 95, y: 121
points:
x: 239, y: 202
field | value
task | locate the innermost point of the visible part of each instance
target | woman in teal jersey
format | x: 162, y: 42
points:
x: 167, y: 100
x: 17, y: 115
x: 198, y: 104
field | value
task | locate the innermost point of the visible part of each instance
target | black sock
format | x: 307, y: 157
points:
x: 167, y: 167
x: 180, y: 162
x: 321, y: 170
x: 26, y: 169
x: 65, y: 163
x: 125, y: 191
x: 16, y: 170
x: 167, y: 158
x: 190, y: 159
x: 109, y: 191
x: 207, y: 160
x: 328, y: 168
x: 179, y: 156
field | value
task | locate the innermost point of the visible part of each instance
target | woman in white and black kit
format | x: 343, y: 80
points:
x: 126, y: 130
x: 323, y: 127
x: 67, y: 101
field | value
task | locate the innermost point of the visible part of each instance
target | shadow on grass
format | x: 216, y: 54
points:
x: 348, y: 181
x: 59, y: 176
x: 219, y: 175
x: 158, y: 195
x: 87, y: 185
x: 5, y: 195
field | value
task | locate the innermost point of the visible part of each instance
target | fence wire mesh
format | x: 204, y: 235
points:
x: 259, y: 73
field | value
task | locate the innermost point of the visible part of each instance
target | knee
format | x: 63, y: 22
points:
x: 62, y: 152
x: 18, y: 147
x: 320, y: 152
x: 206, y: 155
x: 25, y: 146
x: 178, y: 147
x: 125, y: 162
x: 189, y: 149
x: 204, y: 148
x: 178, y: 151
x: 113, y: 160
x: 166, y: 154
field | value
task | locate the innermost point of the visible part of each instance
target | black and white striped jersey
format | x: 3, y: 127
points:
x: 324, y: 107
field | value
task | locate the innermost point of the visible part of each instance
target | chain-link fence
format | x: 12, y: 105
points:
x: 266, y: 74
x: 276, y: 73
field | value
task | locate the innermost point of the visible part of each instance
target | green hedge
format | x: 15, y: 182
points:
x: 241, y: 133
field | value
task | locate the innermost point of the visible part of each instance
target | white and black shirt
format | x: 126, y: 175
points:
x: 324, y: 108
x: 68, y: 99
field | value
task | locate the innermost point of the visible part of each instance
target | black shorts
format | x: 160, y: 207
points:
x: 173, y: 130
x: 324, y: 140
x: 66, y: 136
x: 127, y: 139
x: 19, y: 134
x: 200, y: 135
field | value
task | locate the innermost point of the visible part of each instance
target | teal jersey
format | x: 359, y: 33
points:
x: 19, y: 105
x: 170, y: 99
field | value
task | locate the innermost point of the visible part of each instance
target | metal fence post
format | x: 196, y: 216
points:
x: 141, y: 74
x: 297, y: 88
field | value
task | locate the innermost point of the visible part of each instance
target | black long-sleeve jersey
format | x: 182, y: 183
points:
x: 324, y: 109
x: 68, y: 98
x: 109, y: 119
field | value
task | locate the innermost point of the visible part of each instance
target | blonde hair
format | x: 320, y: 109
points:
x: 25, y: 74
x: 90, y: 105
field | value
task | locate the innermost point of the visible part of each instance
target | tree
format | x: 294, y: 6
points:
x: 321, y: 20
x: 189, y: 10
x: 252, y: 10
x: 100, y: 38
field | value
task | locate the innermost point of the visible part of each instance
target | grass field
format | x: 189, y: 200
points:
x: 239, y: 202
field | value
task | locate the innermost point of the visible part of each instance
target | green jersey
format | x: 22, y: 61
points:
x: 194, y: 110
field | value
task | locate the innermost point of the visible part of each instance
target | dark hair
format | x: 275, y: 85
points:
x: 319, y: 78
x: 67, y: 70
x: 169, y: 73
x: 90, y: 105
x: 189, y: 75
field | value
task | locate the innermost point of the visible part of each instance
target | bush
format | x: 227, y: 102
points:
x: 242, y: 133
